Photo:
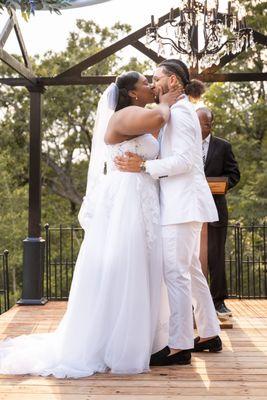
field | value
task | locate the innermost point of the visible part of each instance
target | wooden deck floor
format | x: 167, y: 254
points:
x: 239, y: 372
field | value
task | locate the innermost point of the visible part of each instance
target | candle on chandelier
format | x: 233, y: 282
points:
x: 229, y: 7
x: 222, y: 6
x: 152, y: 21
x: 211, y: 4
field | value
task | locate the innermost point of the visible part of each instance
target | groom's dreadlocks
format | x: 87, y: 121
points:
x: 178, y: 68
x: 194, y: 87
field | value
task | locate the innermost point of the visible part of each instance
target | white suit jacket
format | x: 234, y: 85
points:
x: 184, y: 192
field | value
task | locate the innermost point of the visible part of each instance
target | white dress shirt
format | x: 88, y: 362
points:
x: 205, y: 148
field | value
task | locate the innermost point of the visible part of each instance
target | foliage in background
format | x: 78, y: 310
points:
x: 30, y: 6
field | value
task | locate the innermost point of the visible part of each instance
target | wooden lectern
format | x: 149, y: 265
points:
x: 217, y: 186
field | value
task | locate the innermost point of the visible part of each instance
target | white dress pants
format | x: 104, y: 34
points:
x: 187, y: 286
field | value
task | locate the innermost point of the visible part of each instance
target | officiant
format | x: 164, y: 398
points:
x: 219, y: 161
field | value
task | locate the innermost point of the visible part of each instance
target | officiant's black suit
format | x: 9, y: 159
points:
x: 220, y: 162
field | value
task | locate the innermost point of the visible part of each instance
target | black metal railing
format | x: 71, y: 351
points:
x: 4, y: 282
x: 62, y: 247
x: 245, y: 260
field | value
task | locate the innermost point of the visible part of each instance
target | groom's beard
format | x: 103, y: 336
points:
x: 165, y: 90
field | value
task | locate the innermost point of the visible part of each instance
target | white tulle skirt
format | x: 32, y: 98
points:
x: 112, y: 322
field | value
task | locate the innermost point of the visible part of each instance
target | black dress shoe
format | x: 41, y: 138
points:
x: 227, y: 309
x: 162, y: 357
x: 212, y: 345
x: 222, y: 311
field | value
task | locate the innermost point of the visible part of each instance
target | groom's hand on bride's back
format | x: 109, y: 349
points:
x: 129, y: 162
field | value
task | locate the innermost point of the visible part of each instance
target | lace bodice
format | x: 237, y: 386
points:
x: 146, y: 146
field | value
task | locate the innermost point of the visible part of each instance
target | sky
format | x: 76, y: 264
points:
x: 46, y: 31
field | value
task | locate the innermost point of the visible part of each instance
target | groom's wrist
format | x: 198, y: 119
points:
x: 143, y: 166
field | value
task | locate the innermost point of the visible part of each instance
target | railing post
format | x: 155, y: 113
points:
x: 34, y: 244
x: 6, y: 277
x: 238, y: 259
x: 264, y: 259
x: 47, y: 259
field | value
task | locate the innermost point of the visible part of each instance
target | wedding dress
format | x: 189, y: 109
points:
x: 112, y: 322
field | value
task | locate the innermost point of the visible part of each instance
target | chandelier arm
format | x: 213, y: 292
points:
x: 212, y: 51
x: 205, y: 31
x: 220, y: 48
x: 177, y: 46
x: 173, y: 24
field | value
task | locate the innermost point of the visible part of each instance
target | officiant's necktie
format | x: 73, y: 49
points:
x: 203, y: 154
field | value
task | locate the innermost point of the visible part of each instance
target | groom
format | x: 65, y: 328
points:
x: 186, y: 202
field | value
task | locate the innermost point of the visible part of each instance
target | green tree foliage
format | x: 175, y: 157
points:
x: 30, y: 6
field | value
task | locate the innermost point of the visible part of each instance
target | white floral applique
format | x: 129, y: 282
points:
x: 150, y: 207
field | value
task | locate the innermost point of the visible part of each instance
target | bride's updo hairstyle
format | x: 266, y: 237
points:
x: 125, y: 83
x: 194, y: 87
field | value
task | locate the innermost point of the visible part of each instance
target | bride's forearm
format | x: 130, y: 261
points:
x: 164, y: 111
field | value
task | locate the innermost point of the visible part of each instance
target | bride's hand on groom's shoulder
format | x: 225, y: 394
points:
x: 129, y: 162
x: 172, y: 96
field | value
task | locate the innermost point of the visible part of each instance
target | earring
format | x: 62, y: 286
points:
x: 136, y: 98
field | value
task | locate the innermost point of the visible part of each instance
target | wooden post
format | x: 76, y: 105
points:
x: 34, y: 245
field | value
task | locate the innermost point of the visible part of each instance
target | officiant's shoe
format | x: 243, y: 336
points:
x: 213, y: 345
x: 222, y: 311
x: 162, y: 357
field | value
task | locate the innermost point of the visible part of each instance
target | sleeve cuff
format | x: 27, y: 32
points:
x: 150, y: 168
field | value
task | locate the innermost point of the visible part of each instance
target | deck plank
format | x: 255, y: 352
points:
x: 238, y: 373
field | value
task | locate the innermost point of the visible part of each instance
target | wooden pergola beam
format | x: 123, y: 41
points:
x: 6, y: 31
x: 17, y: 66
x: 260, y: 38
x: 233, y: 77
x: 106, y: 79
x: 147, y: 52
x: 21, y: 41
x: 23, y: 70
x: 113, y: 48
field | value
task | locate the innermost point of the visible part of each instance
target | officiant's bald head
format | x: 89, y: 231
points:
x: 205, y: 116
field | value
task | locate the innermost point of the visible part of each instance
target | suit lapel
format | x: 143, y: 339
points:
x: 210, y: 152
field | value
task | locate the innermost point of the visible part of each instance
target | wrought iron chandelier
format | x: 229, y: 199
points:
x: 201, y: 32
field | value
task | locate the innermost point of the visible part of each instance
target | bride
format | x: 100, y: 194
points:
x: 112, y: 321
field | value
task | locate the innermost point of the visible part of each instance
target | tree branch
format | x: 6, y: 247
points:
x: 66, y: 189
